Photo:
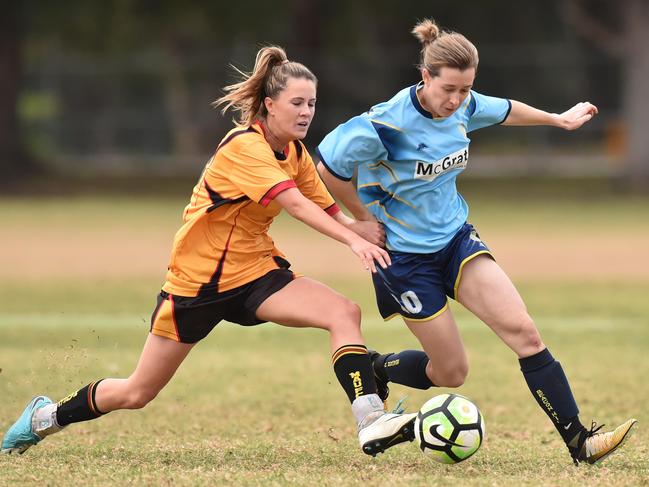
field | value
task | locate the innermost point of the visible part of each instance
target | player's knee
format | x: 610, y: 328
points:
x: 139, y: 397
x: 452, y: 379
x: 347, y: 313
x: 450, y: 376
x: 457, y: 377
x: 529, y: 336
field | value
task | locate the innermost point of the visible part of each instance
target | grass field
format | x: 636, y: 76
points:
x: 261, y: 406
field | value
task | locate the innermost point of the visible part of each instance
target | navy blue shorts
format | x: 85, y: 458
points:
x: 416, y: 286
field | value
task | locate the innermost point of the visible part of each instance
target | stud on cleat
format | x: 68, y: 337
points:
x: 385, y: 431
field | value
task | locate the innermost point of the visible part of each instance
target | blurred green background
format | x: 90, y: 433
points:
x: 120, y: 89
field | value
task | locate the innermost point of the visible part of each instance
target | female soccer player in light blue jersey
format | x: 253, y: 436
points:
x: 408, y: 153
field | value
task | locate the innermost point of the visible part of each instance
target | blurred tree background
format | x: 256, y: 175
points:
x: 122, y: 88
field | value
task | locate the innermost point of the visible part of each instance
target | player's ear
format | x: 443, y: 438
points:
x: 269, y: 104
x: 425, y: 75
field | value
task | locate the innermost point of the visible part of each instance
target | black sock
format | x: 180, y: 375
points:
x: 79, y: 406
x: 549, y: 386
x: 354, y: 371
x: 407, y: 368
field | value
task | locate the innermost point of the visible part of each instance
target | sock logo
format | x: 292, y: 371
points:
x: 357, y: 382
x: 392, y: 363
x: 548, y: 406
x: 67, y: 398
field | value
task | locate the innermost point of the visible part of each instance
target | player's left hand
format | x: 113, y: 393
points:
x: 369, y: 254
x: 578, y: 115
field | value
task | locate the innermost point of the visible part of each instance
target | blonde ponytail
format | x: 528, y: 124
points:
x: 268, y: 78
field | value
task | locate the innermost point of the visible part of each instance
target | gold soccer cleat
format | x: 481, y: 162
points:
x: 597, y: 446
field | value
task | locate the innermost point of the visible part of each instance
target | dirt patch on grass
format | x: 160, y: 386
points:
x: 120, y: 252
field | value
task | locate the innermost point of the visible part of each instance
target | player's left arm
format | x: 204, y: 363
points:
x: 572, y: 119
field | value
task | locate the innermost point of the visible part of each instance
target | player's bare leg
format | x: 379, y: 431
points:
x: 158, y: 362
x: 443, y: 362
x: 308, y: 303
x: 488, y: 292
x: 440, y: 338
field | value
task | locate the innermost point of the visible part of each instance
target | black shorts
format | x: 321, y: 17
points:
x: 189, y: 320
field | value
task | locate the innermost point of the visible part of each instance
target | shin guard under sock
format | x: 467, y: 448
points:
x: 407, y: 368
x: 78, y: 406
x: 354, y: 371
x: 549, y: 386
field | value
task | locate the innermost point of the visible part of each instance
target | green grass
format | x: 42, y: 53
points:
x: 261, y: 405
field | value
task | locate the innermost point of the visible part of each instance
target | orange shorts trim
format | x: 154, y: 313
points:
x: 164, y: 322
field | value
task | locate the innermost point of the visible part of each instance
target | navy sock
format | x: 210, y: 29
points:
x: 549, y: 386
x: 407, y: 368
x: 353, y: 369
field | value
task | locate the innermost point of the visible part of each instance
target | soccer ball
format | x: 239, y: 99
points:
x: 449, y: 428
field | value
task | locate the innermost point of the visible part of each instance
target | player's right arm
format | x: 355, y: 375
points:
x: 305, y: 210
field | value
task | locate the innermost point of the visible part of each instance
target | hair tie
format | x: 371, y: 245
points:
x: 286, y: 61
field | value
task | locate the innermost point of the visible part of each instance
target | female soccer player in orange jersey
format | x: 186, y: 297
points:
x: 224, y: 265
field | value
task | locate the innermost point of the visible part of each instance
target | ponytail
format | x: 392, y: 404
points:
x: 268, y: 78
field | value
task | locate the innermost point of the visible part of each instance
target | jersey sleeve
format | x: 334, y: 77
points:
x: 254, y: 171
x: 487, y: 110
x: 350, y: 144
x: 311, y: 186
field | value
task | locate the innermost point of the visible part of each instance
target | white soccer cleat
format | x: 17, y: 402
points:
x: 380, y: 431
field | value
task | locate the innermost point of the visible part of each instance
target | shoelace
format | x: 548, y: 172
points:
x: 399, y: 409
x: 593, y: 429
x: 595, y: 438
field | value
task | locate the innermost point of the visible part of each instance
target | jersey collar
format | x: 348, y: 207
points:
x: 278, y: 155
x: 415, y: 100
x: 417, y: 104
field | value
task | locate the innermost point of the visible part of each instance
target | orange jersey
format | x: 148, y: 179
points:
x: 224, y: 241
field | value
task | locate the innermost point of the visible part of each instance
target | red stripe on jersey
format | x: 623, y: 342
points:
x: 332, y: 210
x: 275, y: 190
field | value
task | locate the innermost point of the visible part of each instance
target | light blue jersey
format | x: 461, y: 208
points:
x: 407, y: 165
